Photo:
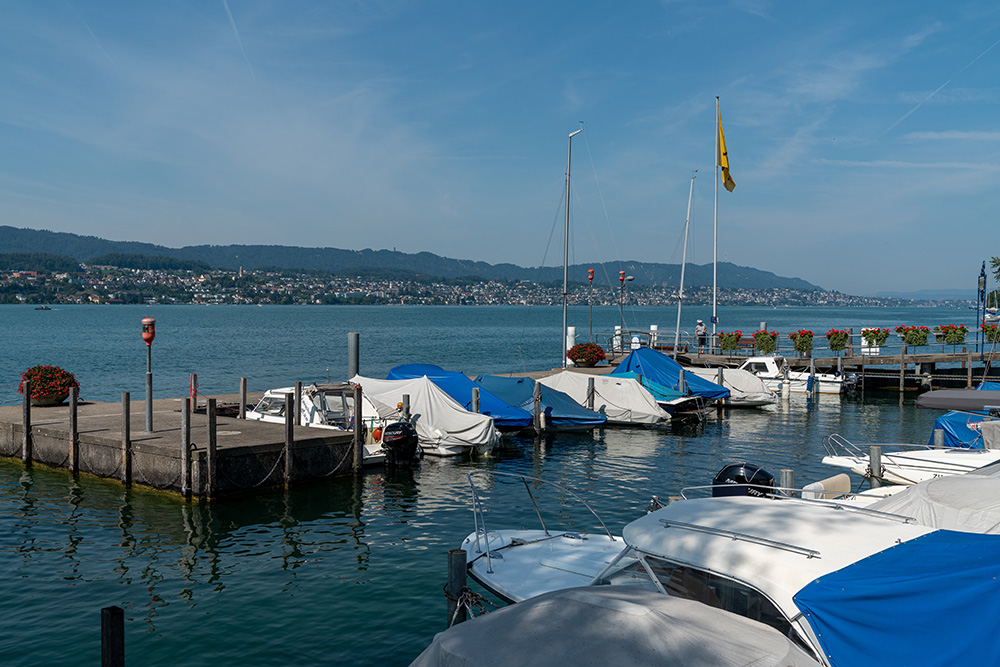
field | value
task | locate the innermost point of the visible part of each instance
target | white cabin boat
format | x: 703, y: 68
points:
x: 771, y: 371
x: 746, y: 390
x: 329, y: 406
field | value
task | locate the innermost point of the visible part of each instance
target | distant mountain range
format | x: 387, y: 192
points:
x: 335, y: 260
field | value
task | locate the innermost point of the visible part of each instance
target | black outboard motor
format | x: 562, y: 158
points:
x: 399, y: 442
x: 747, y: 480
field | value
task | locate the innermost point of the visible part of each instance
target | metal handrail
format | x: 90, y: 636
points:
x: 479, y: 517
x: 732, y: 534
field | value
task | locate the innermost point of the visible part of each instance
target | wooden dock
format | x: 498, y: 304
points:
x: 108, y: 441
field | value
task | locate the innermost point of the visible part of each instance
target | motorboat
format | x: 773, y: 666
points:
x: 746, y: 390
x: 506, y: 417
x: 329, y: 406
x: 444, y: 427
x: 771, y: 370
x: 623, y: 400
x: 836, y: 579
x: 653, y: 630
x: 657, y: 367
x: 558, y: 412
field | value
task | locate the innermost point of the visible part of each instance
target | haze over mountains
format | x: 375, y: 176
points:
x: 335, y: 260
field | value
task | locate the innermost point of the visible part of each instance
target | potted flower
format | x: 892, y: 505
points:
x: 802, y: 340
x: 913, y: 335
x: 837, y: 338
x: 728, y: 342
x: 766, y: 342
x: 874, y: 336
x: 50, y: 385
x: 953, y: 334
x: 991, y: 332
x: 586, y: 354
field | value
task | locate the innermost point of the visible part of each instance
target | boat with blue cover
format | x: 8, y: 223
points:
x: 560, y: 412
x: 506, y: 417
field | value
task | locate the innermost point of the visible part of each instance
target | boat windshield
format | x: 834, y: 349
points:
x: 337, y: 407
x: 271, y: 405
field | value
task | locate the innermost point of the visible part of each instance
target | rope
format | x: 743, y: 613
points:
x: 280, y: 458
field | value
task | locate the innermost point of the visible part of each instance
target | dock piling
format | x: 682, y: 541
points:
x: 74, y: 431
x: 186, y: 448
x: 475, y: 400
x: 213, y: 443
x: 875, y: 466
x: 939, y: 437
x: 243, y: 399
x: 590, y: 393
x: 112, y: 637
x: 457, y: 564
x: 358, y: 444
x: 126, y: 439
x: 298, y: 403
x: 787, y: 477
x: 289, y: 437
x: 353, y: 355
x: 26, y: 424
x: 536, y: 396
x: 406, y: 407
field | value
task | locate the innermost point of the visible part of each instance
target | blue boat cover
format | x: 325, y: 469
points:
x: 956, y: 424
x: 657, y: 367
x: 561, y: 410
x: 659, y: 392
x: 459, y: 387
x: 933, y: 600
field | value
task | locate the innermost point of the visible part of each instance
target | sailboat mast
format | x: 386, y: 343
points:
x: 715, y: 239
x: 684, y: 256
x: 565, y: 292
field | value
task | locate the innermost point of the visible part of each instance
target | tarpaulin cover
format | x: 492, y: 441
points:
x: 968, y: 400
x: 956, y: 430
x: 933, y: 600
x: 661, y: 369
x: 621, y: 399
x: 561, y: 411
x: 969, y: 503
x: 460, y: 387
x: 660, y: 392
x: 611, y: 625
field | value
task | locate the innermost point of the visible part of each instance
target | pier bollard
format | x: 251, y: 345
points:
x: 590, y: 393
x: 243, y: 398
x: 875, y: 466
x: 353, y: 356
x: 787, y: 477
x: 475, y: 400
x: 186, y: 448
x: 289, y: 437
x: 358, y: 444
x: 26, y: 424
x: 457, y: 570
x: 298, y: 403
x: 112, y: 637
x: 213, y: 443
x: 74, y: 431
x: 126, y: 439
x: 939, y: 437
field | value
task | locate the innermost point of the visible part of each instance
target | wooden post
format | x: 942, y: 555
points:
x: 681, y: 385
x: 358, y: 444
x: 536, y: 396
x: 243, y: 398
x: 457, y: 569
x: 475, y: 400
x: 875, y: 466
x: 213, y: 433
x: 289, y: 438
x: 850, y: 341
x: 112, y: 637
x: 968, y: 371
x: 902, y: 368
x: 590, y: 393
x: 406, y: 407
x: 126, y: 439
x: 194, y: 392
x: 298, y: 403
x: 74, y: 431
x: 186, y: 448
x: 26, y: 424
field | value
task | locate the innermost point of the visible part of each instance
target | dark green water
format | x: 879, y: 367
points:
x: 347, y: 570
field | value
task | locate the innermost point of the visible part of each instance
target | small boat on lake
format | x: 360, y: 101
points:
x: 772, y: 371
x: 558, y: 410
x: 623, y: 400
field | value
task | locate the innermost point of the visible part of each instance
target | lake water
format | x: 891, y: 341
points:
x: 347, y: 569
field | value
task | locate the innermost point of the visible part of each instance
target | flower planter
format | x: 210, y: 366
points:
x: 585, y: 364
x: 50, y: 400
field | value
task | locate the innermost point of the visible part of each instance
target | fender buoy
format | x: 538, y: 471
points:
x: 377, y: 435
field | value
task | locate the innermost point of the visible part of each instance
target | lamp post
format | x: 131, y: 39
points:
x: 590, y: 299
x: 622, y: 278
x: 148, y: 334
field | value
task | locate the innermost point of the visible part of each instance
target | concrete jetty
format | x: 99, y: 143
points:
x: 240, y: 456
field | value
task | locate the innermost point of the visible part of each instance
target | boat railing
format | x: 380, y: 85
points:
x: 837, y: 445
x: 479, y: 514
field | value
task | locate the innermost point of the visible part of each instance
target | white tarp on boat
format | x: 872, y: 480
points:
x: 744, y: 386
x: 967, y: 503
x: 440, y: 421
x: 611, y: 625
x: 621, y: 399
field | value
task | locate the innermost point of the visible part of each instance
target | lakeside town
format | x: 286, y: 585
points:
x: 100, y: 284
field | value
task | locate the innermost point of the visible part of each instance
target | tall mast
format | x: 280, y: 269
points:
x: 565, y: 292
x: 684, y: 255
x: 715, y: 238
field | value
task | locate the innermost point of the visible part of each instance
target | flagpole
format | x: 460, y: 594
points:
x: 715, y: 233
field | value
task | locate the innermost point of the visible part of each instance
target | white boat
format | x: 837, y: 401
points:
x: 444, y: 427
x: 623, y: 400
x: 746, y: 390
x: 329, y: 406
x: 836, y: 579
x: 910, y: 464
x: 771, y: 371
x: 652, y: 630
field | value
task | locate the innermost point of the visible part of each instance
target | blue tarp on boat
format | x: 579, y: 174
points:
x: 660, y: 393
x: 933, y: 600
x: 505, y: 416
x: 561, y: 411
x: 661, y: 369
x: 956, y: 425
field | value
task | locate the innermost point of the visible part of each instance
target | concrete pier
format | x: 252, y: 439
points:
x: 247, y: 454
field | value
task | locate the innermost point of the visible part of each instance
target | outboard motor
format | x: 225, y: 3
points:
x: 747, y: 480
x: 399, y: 442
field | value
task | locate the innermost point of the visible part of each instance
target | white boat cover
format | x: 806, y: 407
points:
x: 621, y: 399
x: 991, y: 433
x: 743, y: 386
x: 966, y: 503
x: 439, y: 419
x: 611, y: 625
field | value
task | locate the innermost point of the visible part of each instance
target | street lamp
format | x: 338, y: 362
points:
x: 621, y: 301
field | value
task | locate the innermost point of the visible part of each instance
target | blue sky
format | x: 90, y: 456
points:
x: 863, y: 137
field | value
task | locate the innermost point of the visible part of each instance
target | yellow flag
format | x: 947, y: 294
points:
x: 723, y: 156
